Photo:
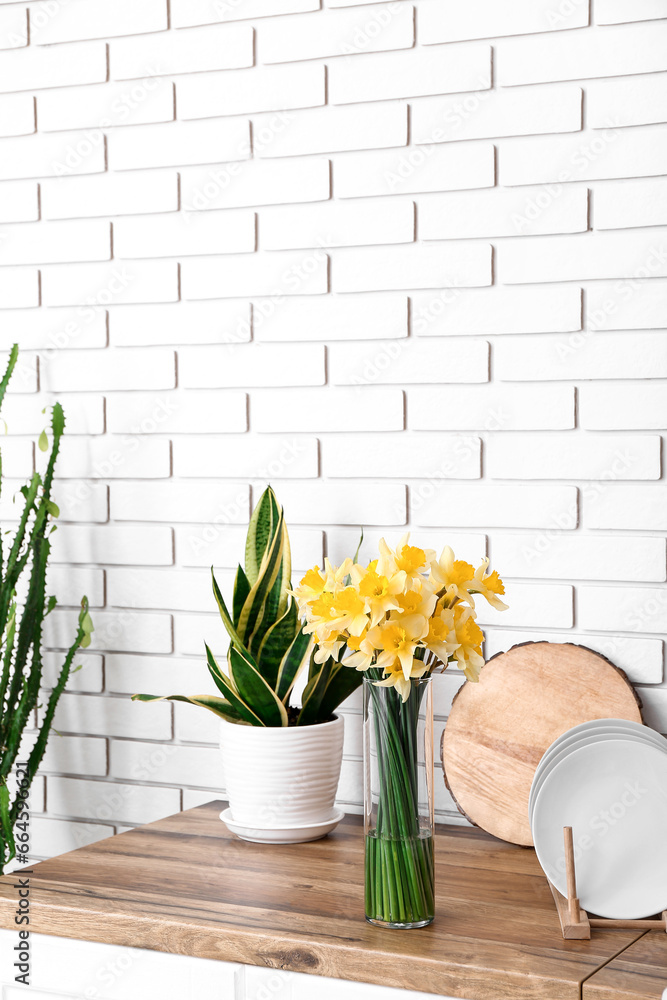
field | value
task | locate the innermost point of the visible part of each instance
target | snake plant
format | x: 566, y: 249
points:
x: 268, y: 648
x: 23, y: 563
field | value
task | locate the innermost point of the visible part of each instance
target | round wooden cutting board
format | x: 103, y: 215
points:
x: 500, y: 727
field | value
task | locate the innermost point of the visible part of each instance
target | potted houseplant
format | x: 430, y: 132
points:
x: 282, y: 760
x: 23, y: 566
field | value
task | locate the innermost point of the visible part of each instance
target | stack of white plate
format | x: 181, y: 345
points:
x: 607, y: 779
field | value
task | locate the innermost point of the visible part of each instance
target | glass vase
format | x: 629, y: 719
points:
x: 398, y: 805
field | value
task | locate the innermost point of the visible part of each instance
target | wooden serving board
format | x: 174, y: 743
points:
x: 500, y: 727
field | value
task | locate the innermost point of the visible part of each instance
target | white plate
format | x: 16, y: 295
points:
x: 602, y: 729
x: 613, y: 793
x: 282, y: 835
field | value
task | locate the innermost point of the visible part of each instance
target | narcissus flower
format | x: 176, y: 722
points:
x: 380, y: 592
x: 398, y: 639
x: 489, y: 585
x: 395, y: 677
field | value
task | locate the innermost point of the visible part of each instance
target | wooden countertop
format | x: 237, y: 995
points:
x: 186, y: 885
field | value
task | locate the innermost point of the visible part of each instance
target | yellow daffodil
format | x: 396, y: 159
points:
x: 380, y: 592
x: 398, y: 639
x: 489, y: 585
x: 311, y: 587
x: 419, y: 600
x: 363, y: 652
x: 470, y: 638
x: 441, y: 638
x: 407, y: 558
x: 395, y: 677
x: 451, y: 576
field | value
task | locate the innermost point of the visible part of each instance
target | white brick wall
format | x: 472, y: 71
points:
x: 406, y: 261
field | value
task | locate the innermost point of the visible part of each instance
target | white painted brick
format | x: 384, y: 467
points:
x: 55, y: 243
x: 655, y: 708
x: 273, y: 88
x: 241, y: 456
x: 405, y: 171
x: 19, y: 201
x: 619, y: 11
x: 107, y: 106
x: 104, y: 284
x: 628, y: 204
x: 634, y: 100
x: 274, y: 274
x: 50, y: 837
x: 251, y: 365
x: 500, y: 505
x: 217, y: 503
x: 401, y: 362
x: 80, y: 20
x: 335, y: 224
x: 492, y: 407
x: 276, y: 410
x: 213, y: 412
x: 627, y: 305
x: 127, y: 674
x: 123, y: 457
x: 110, y: 194
x: 186, y: 590
x: 498, y: 113
x: 336, y: 33
x: 54, y: 329
x: 597, y: 356
x: 594, y: 255
x: 576, y: 55
x: 642, y: 508
x: 581, y: 557
x: 487, y: 18
x: 641, y: 659
x: 196, y: 725
x: 78, y: 501
x: 185, y: 234
x: 593, y: 156
x: 335, y: 503
x: 638, y: 406
x: 623, y: 609
x: 140, y: 368
x: 193, y: 798
x: 196, y: 51
x: 121, y: 631
x: 107, y: 800
x: 502, y: 212
x: 17, y: 458
x: 177, y: 765
x: 450, y: 456
x: 179, y: 143
x: 418, y: 73
x: 72, y: 753
x: 330, y: 130
x: 113, y: 544
x: 187, y: 322
x: 88, y: 678
x: 576, y: 456
x: 255, y: 183
x: 497, y: 310
x: 191, y: 12
x: 24, y: 378
x: 334, y: 317
x: 19, y: 288
x: 532, y: 605
x: 222, y: 544
x: 33, y: 69
x: 377, y: 269
x: 25, y: 415
x: 191, y: 631
x: 13, y: 26
x: 79, y: 713
x: 51, y: 156
x: 17, y: 114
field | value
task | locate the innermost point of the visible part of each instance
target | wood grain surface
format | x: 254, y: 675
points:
x: 186, y: 885
x: 499, y: 728
x: 638, y: 973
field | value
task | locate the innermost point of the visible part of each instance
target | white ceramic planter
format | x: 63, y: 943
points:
x: 282, y: 778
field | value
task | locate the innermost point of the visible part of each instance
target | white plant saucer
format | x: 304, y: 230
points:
x: 282, y: 835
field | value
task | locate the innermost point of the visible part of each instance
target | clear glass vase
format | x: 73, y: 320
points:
x: 398, y: 805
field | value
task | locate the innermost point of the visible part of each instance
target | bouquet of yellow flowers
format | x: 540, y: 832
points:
x: 405, y: 613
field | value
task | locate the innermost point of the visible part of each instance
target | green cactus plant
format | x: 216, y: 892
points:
x: 23, y: 564
x: 268, y: 648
